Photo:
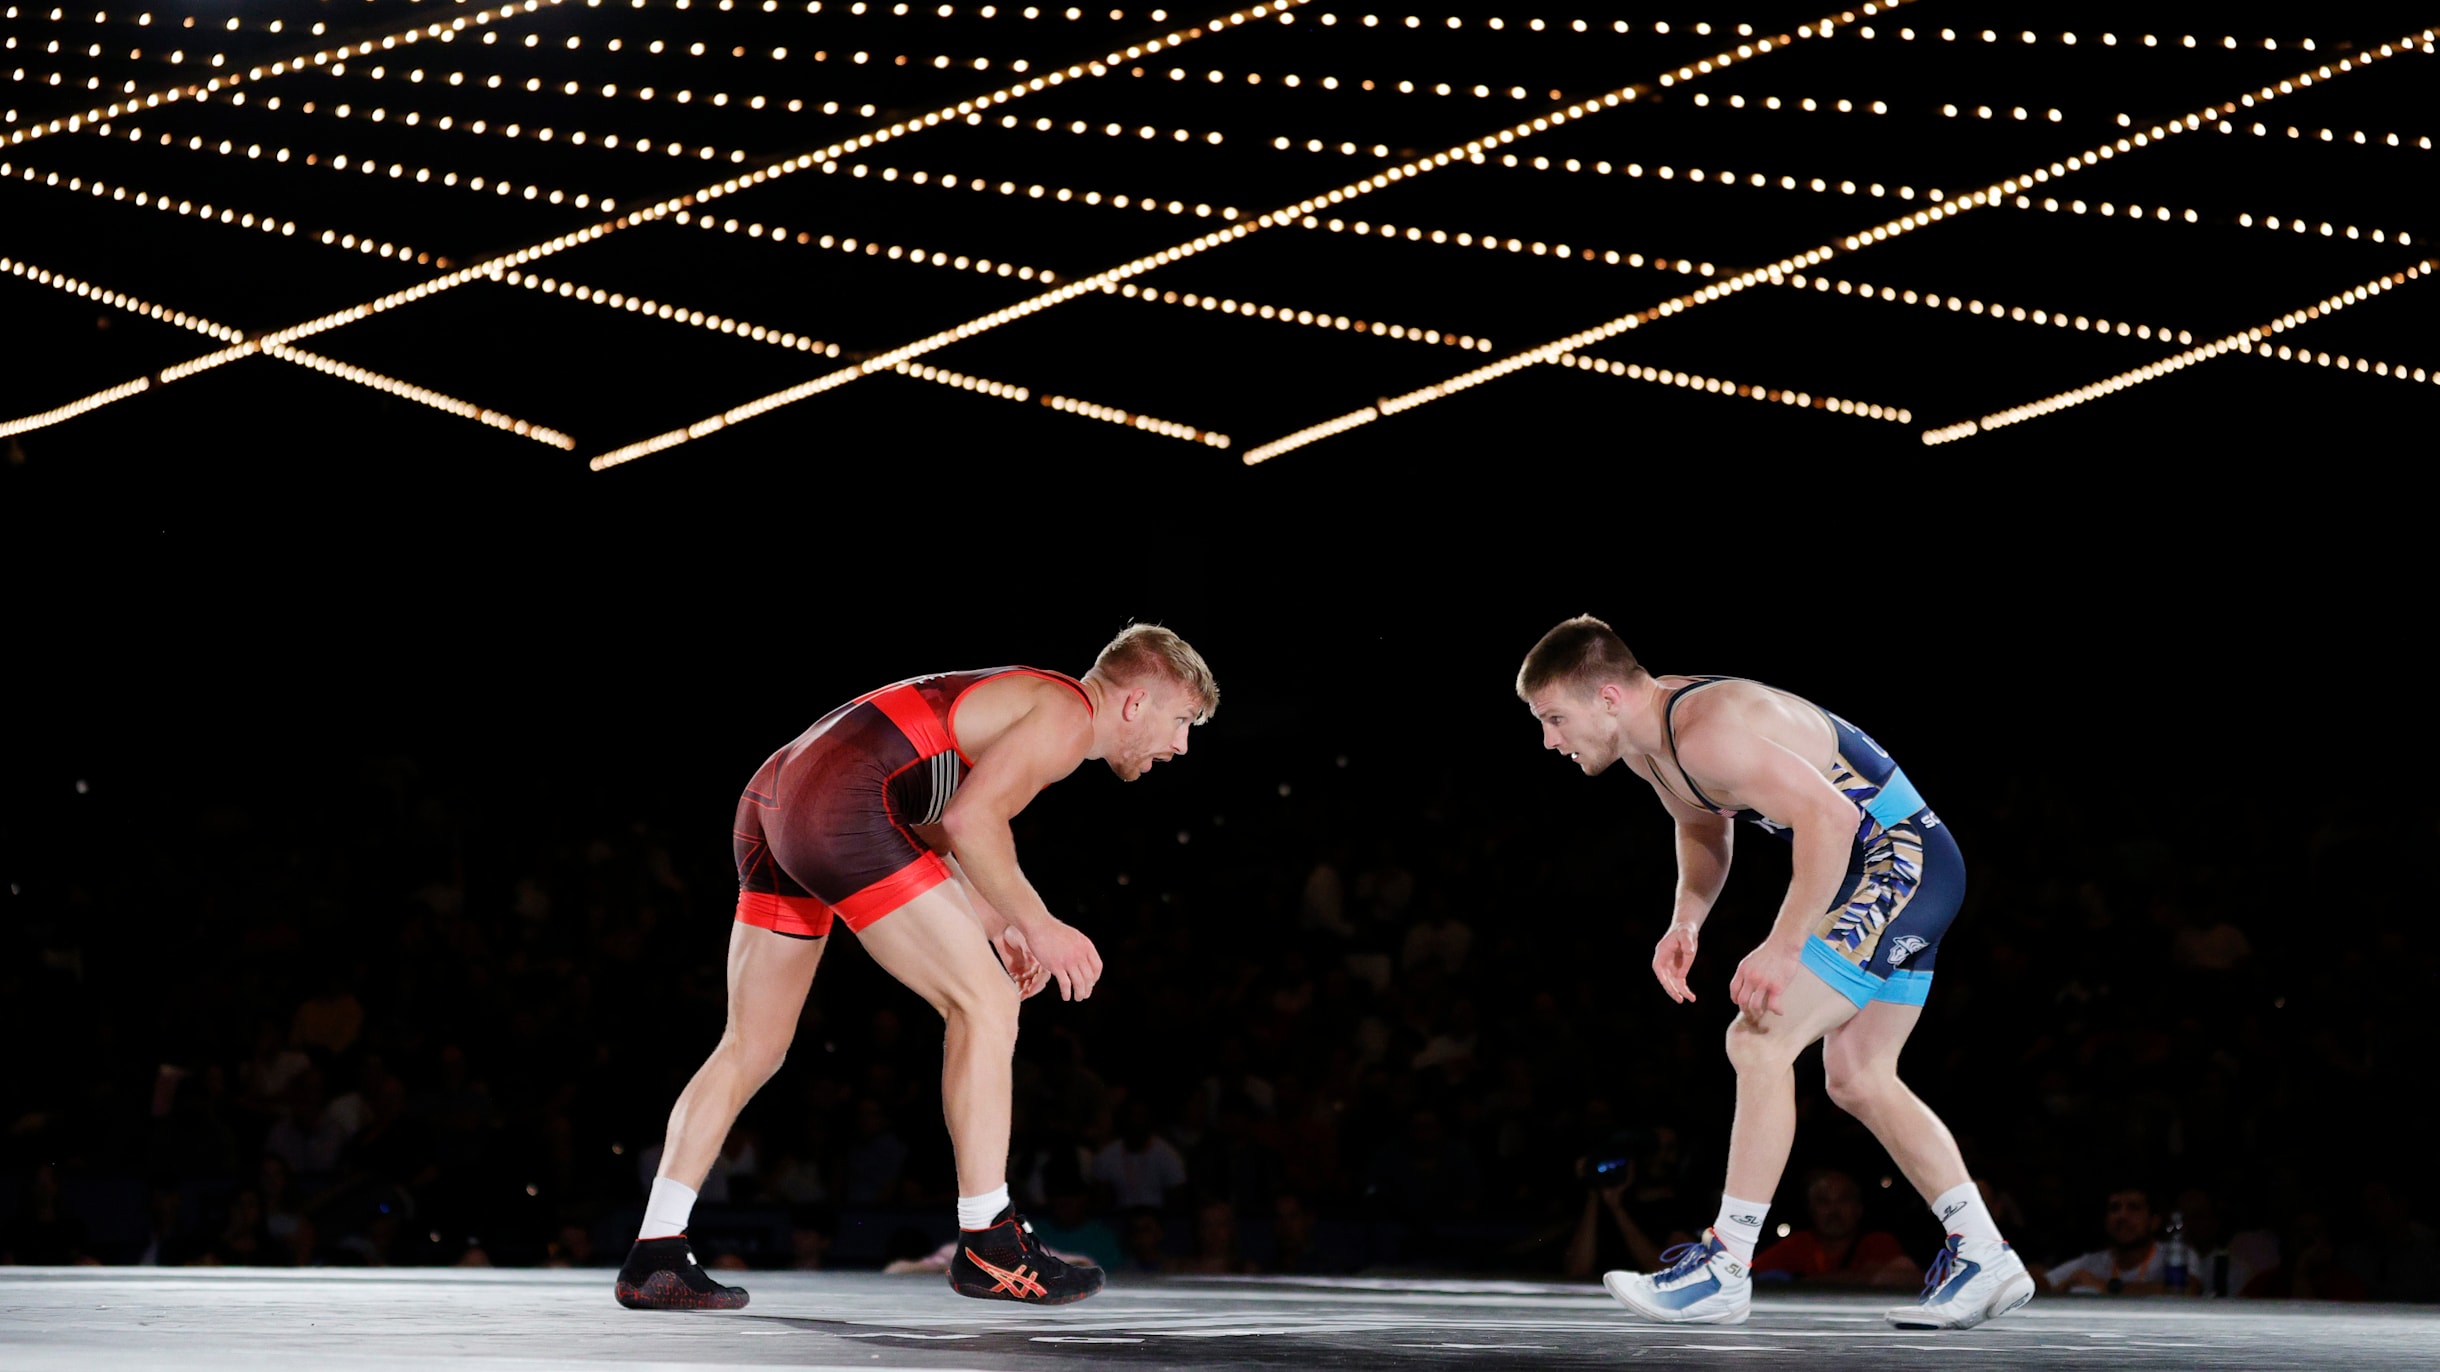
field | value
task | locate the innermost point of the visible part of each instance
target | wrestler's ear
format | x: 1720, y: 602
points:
x: 1612, y: 696
x: 1134, y: 704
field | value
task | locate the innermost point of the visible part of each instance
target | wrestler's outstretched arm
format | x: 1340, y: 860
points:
x: 1037, y: 749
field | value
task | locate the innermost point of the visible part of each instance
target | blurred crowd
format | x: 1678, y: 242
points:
x: 1350, y: 1021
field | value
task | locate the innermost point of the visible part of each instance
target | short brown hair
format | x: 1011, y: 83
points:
x: 1141, y: 650
x: 1580, y: 651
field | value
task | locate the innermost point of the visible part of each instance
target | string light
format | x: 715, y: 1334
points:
x: 998, y: 390
x: 1712, y: 385
x: 1289, y: 314
x: 1378, y: 181
x: 397, y: 171
x: 421, y: 396
x: 10, y: 428
x: 2358, y: 137
x: 1945, y: 207
x: 1994, y: 310
x: 2307, y: 356
x: 282, y: 67
x: 894, y: 252
x: 2058, y: 319
x: 612, y: 141
x: 180, y: 319
x: 353, y: 314
x: 61, y: 281
x: 1493, y: 242
x: 2224, y: 43
x: 1036, y: 191
x: 907, y: 352
x: 206, y: 212
x: 1002, y: 390
x: 2245, y: 340
x: 661, y: 309
x: 1806, y: 104
x: 1164, y: 427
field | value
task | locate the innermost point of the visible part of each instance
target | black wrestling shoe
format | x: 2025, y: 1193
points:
x: 662, y: 1274
x: 1003, y: 1263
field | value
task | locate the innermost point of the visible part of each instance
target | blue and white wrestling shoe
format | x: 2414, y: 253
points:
x: 1699, y: 1283
x: 1972, y: 1280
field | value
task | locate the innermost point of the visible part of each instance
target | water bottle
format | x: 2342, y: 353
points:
x: 2173, y: 1259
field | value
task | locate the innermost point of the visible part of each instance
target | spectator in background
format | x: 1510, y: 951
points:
x: 281, y: 1216
x: 330, y: 1020
x: 1147, y: 1242
x: 243, y: 1240
x: 1292, y: 1248
x: 166, y: 1247
x: 264, y: 1078
x: 1439, y: 940
x: 1070, y: 1226
x: 2206, y: 944
x: 809, y: 1233
x: 1216, y: 1252
x: 44, y: 1232
x: 1596, y: 1247
x: 1323, y: 905
x: 2131, y: 1264
x: 876, y: 1160
x: 1426, y: 1173
x: 572, y: 1248
x: 2309, y: 1269
x: 1836, y: 1250
x: 310, y: 1135
x: 1140, y: 1168
x: 2393, y: 1255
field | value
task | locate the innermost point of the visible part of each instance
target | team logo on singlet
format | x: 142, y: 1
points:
x: 1905, y: 946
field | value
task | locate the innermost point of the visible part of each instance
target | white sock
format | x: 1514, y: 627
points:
x: 1961, y: 1211
x: 667, y: 1210
x: 977, y: 1212
x: 1740, y: 1226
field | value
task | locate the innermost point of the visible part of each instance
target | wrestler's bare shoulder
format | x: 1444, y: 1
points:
x: 1749, y: 707
x: 987, y: 712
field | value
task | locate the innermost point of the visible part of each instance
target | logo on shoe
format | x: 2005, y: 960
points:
x: 1018, y: 1283
x: 1754, y: 1220
x: 1952, y: 1210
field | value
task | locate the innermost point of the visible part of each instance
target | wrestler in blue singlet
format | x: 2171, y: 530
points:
x: 1905, y: 877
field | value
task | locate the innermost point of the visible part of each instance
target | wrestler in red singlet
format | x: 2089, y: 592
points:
x: 826, y: 825
x: 892, y: 813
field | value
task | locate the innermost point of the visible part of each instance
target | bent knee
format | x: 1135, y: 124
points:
x: 1751, y: 1049
x: 1860, y: 1091
x: 988, y: 1005
x: 755, y: 1055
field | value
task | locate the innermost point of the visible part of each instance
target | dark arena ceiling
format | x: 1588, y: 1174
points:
x: 570, y: 243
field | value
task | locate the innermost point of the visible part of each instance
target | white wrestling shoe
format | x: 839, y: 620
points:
x: 1699, y: 1283
x: 1972, y: 1280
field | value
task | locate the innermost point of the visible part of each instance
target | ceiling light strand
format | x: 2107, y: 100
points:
x: 2244, y: 340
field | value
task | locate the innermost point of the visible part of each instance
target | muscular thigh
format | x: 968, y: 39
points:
x: 934, y: 945
x: 769, y: 975
x: 1871, y: 1041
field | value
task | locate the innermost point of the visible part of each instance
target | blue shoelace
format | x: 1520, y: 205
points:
x: 1684, y: 1258
x: 1938, y: 1274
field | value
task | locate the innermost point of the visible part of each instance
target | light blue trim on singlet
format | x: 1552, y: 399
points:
x: 1898, y: 800
x: 1907, y: 988
x: 1853, y: 982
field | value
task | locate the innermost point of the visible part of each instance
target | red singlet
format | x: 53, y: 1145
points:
x: 823, y: 827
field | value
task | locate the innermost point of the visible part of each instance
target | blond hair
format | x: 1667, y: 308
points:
x: 1142, y: 650
x: 1580, y: 652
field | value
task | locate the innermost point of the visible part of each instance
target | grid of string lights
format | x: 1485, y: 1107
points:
x: 1077, y: 160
